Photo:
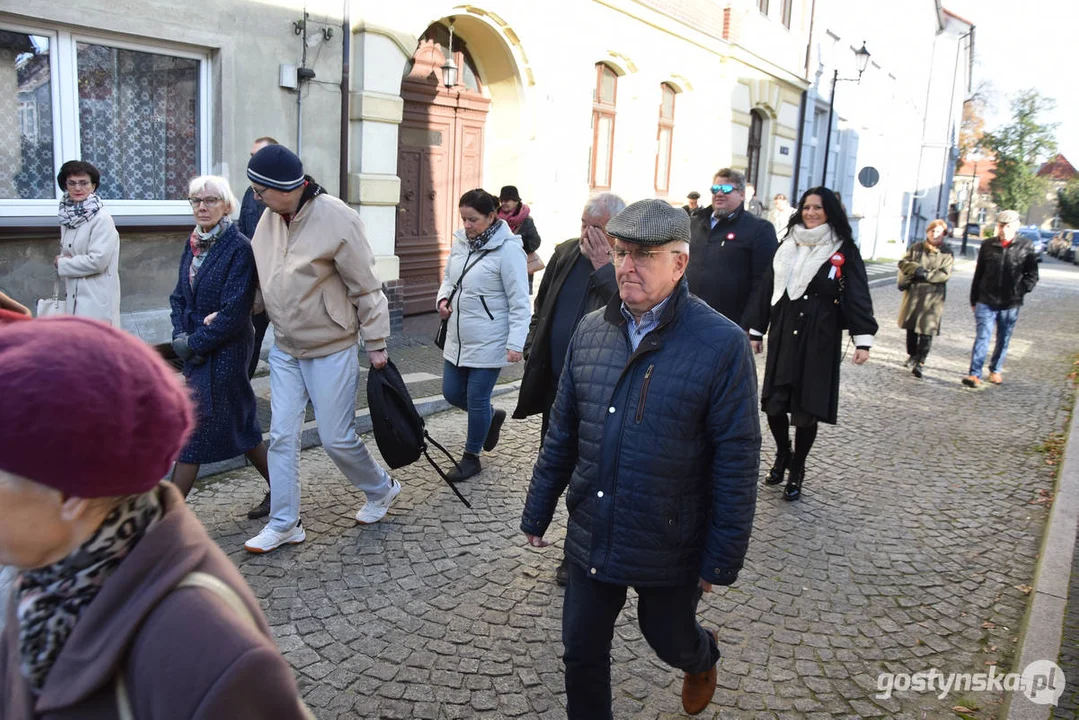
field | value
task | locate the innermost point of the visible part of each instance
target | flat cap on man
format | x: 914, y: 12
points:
x: 694, y: 195
x: 650, y: 222
x: 1008, y: 217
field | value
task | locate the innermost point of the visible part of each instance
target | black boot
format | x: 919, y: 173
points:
x: 469, y: 466
x: 917, y: 370
x: 779, y: 467
x: 793, y: 491
x: 261, y: 510
x: 493, y: 432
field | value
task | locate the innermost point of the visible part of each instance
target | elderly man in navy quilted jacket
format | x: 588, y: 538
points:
x: 654, y: 431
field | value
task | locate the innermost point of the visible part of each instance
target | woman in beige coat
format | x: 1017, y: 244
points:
x: 923, y: 276
x: 89, y: 256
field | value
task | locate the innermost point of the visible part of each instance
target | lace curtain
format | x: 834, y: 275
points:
x: 138, y: 121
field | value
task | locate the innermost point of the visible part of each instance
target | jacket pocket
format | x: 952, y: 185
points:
x: 644, y: 393
x: 486, y: 309
x: 334, y: 311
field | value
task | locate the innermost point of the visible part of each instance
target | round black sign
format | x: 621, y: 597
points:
x: 869, y: 176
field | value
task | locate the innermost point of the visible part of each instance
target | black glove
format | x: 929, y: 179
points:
x: 919, y: 275
x: 184, y: 351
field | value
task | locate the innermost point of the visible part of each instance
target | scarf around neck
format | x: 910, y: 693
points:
x: 799, y: 257
x: 201, y: 242
x: 480, y: 240
x: 73, y: 214
x: 515, y: 218
x: 50, y: 600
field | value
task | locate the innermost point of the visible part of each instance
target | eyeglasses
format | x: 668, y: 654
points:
x: 725, y: 188
x: 78, y: 183
x: 641, y: 258
x: 207, y: 201
x: 260, y: 194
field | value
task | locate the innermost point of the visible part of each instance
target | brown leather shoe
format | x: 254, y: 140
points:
x: 972, y: 381
x: 996, y: 378
x: 698, y: 688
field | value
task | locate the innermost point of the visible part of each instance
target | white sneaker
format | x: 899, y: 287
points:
x: 269, y: 539
x: 374, y: 510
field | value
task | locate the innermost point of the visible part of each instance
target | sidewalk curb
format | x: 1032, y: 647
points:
x: 426, y: 407
x: 1041, y: 632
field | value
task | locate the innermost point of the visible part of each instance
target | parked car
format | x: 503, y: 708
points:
x: 1035, y: 237
x: 1056, y: 246
x: 1067, y: 253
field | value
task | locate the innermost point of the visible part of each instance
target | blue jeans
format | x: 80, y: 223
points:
x: 470, y: 389
x: 986, y: 317
x: 668, y: 620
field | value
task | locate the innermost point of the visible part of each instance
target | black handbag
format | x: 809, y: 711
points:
x: 440, y: 334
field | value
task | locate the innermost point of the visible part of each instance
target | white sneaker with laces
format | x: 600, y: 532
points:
x: 270, y: 539
x: 374, y: 510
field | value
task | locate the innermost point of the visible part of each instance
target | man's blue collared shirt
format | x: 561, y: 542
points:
x: 648, y: 323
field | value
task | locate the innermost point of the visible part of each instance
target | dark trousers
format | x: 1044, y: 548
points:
x: 261, y: 322
x: 668, y: 620
x: 918, y: 345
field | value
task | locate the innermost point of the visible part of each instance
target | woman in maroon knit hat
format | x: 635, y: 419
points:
x: 122, y: 602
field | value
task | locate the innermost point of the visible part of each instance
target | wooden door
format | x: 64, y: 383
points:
x: 439, y: 158
x: 423, y: 156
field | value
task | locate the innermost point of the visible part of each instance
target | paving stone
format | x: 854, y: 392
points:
x: 915, y: 526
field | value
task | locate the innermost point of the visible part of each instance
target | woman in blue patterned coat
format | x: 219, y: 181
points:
x: 212, y: 333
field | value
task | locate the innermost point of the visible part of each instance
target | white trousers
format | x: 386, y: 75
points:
x: 330, y: 383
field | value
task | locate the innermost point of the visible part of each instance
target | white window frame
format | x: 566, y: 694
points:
x: 63, y: 76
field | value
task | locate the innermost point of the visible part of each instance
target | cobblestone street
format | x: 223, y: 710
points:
x: 916, y: 534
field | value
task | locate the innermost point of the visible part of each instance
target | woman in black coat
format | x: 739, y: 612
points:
x: 212, y: 333
x: 815, y: 288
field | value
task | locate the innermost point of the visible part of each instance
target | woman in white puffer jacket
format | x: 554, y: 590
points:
x: 484, y: 298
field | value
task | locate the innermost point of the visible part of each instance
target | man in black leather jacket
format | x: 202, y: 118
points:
x: 1007, y: 270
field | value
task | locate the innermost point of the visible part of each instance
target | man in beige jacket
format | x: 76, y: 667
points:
x: 317, y: 277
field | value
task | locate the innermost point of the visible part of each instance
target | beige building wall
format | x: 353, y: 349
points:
x: 536, y: 61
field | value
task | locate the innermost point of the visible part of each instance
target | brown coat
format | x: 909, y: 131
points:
x: 923, y: 301
x: 185, y: 654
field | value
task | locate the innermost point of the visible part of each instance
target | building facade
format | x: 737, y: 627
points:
x: 563, y: 99
x: 898, y: 120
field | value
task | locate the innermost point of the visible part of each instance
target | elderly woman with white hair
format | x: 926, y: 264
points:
x: 212, y: 334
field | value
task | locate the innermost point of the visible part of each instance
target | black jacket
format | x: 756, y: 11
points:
x: 1004, y: 275
x: 537, y: 386
x: 727, y: 262
x: 250, y: 213
x: 659, y: 448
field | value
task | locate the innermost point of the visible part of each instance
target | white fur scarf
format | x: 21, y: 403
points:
x: 799, y: 258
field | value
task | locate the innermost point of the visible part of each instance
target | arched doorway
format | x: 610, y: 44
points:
x: 439, y: 158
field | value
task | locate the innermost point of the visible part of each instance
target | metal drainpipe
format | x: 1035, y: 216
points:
x: 346, y: 62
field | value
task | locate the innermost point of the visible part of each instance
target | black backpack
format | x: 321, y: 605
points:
x: 399, y: 429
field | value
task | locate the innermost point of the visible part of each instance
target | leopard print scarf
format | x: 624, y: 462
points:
x: 50, y: 600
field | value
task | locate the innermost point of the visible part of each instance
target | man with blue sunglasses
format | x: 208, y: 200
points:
x: 730, y: 249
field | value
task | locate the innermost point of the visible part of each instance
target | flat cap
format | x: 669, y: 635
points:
x: 694, y: 195
x: 650, y: 222
x: 1008, y: 217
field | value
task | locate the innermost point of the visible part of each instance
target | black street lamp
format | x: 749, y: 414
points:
x: 861, y: 56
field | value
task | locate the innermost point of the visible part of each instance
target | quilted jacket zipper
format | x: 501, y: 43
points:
x: 644, y: 392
